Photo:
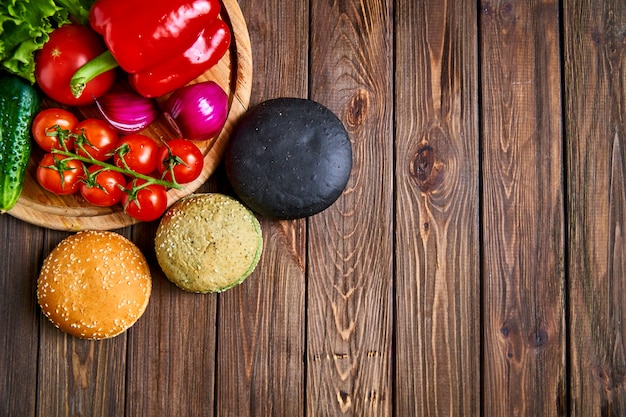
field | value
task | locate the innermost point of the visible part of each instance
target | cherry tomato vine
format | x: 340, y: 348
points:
x: 135, y: 156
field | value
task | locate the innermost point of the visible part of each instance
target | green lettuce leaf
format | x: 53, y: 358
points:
x: 26, y: 26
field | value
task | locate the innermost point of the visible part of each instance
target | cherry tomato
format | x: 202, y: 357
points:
x: 69, y: 48
x: 52, y: 125
x: 102, y: 187
x: 59, y: 175
x: 145, y: 203
x: 183, y: 158
x: 139, y: 152
x: 98, y: 138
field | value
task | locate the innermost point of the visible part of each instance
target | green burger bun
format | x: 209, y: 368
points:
x: 208, y: 243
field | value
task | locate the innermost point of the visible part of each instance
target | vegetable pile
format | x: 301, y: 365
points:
x: 131, y: 68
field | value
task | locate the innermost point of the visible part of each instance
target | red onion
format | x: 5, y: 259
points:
x: 127, y: 111
x: 198, y: 111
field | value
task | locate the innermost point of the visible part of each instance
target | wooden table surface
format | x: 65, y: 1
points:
x: 475, y: 264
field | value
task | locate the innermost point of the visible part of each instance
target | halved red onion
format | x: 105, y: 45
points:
x: 127, y: 111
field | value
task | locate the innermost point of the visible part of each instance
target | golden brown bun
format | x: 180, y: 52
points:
x: 208, y: 243
x: 94, y: 285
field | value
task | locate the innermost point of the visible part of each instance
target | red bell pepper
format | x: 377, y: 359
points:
x: 162, y: 44
x: 174, y: 73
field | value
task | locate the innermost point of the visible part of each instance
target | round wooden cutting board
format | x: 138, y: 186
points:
x: 233, y: 73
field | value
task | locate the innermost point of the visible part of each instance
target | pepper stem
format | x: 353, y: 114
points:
x: 99, y: 65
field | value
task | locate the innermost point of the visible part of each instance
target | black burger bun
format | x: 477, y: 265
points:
x: 288, y: 158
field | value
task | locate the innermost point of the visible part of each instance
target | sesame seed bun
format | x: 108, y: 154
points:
x: 94, y: 285
x: 208, y: 243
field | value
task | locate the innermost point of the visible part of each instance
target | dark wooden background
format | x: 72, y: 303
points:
x: 475, y: 265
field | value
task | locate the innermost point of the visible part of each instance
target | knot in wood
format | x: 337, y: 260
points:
x: 615, y: 46
x: 506, y: 11
x: 423, y: 163
x: 612, y: 42
x: 538, y: 338
x: 502, y: 14
x: 357, y: 111
x: 486, y: 9
x: 425, y: 170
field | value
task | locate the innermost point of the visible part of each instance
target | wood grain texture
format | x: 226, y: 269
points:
x: 261, y: 323
x: 349, y: 270
x: 522, y: 197
x: 437, y: 210
x: 595, y: 97
x: 474, y: 266
x: 19, y: 337
x: 171, y: 350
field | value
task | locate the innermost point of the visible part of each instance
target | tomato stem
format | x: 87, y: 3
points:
x: 99, y: 65
x: 129, y: 172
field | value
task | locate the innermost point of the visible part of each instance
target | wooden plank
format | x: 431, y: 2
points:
x: 595, y: 93
x: 261, y: 322
x: 349, y: 298
x: 171, y: 349
x: 87, y: 377
x: 437, y: 231
x: 20, y: 311
x: 523, y: 223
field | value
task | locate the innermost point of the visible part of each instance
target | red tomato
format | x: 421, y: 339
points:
x: 139, y: 152
x: 98, y: 138
x: 145, y: 203
x: 183, y: 158
x: 53, y: 125
x: 69, y: 48
x: 102, y: 187
x: 59, y: 175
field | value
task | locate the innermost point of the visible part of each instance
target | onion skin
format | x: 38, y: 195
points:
x: 126, y: 111
x: 198, y: 111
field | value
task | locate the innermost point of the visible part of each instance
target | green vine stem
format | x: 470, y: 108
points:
x: 90, y: 160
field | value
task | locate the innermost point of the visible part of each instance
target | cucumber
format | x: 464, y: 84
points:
x: 19, y: 102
